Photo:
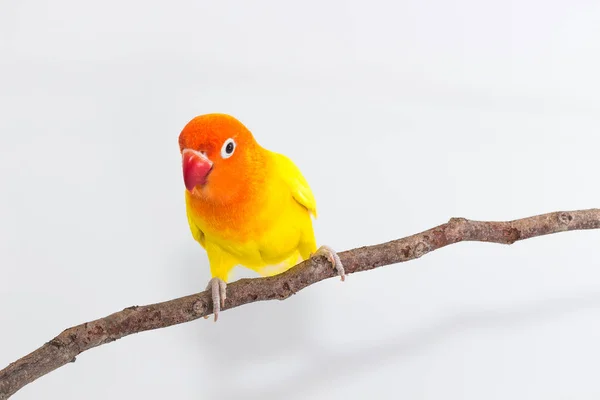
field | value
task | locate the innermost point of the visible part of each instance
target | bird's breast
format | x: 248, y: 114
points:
x: 265, y: 227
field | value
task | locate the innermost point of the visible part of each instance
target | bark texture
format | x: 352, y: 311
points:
x: 67, y: 345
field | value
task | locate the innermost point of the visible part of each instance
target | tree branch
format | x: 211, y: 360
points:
x: 73, y: 341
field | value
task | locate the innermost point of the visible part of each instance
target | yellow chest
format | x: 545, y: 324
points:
x: 265, y: 228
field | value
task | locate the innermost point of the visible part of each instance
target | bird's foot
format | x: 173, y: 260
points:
x: 218, y: 288
x: 333, y: 258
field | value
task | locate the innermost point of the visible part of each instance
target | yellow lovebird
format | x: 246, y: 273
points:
x: 245, y: 205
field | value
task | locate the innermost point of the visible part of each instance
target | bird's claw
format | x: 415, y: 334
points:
x: 333, y: 258
x: 218, y: 289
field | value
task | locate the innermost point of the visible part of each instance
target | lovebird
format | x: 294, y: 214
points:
x: 245, y: 205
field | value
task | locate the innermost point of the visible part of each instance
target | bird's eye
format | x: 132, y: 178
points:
x: 228, y: 148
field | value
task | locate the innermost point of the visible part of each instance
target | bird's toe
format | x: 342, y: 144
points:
x: 333, y: 258
x: 218, y: 289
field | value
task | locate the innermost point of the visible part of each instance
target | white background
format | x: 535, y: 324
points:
x: 400, y: 115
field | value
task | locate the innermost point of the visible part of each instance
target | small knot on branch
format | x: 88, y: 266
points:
x: 420, y: 249
x: 56, y: 342
x: 565, y: 218
x: 457, y: 220
x: 199, y: 307
x: 287, y: 289
x: 511, y: 235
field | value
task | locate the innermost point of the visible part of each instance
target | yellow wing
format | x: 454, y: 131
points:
x: 292, y: 176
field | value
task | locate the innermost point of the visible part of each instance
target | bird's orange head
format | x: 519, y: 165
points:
x: 220, y: 156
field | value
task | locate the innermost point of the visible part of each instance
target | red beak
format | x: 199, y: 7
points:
x: 196, y: 167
